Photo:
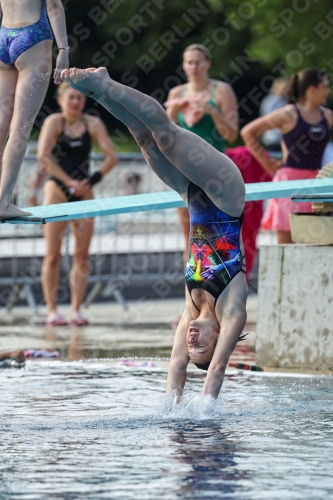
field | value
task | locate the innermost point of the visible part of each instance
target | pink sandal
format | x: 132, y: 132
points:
x: 79, y: 320
x: 56, y: 320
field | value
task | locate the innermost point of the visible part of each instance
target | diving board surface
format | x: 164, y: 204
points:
x: 165, y: 199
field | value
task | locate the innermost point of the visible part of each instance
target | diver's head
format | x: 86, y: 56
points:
x: 202, y: 336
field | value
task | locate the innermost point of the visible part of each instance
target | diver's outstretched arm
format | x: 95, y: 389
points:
x: 179, y: 358
x: 200, y: 162
x: 231, y: 313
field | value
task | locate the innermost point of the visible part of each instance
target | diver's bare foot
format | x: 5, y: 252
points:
x: 91, y: 79
x: 11, y: 211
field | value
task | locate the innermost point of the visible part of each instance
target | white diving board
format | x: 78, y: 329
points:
x: 159, y: 201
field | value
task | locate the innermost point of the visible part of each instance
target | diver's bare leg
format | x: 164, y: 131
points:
x: 200, y: 162
x: 34, y: 69
x: 162, y: 167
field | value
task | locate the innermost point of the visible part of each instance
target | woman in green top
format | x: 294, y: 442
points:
x: 206, y: 107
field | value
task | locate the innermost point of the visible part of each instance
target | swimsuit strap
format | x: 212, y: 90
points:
x: 43, y: 13
x: 323, y: 116
x: 310, y: 124
x: 194, y: 302
x: 85, y: 121
x: 215, y: 84
x: 299, y: 116
x: 212, y: 96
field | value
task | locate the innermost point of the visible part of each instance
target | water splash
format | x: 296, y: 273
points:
x: 192, y: 406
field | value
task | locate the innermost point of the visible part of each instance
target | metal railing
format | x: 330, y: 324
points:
x: 125, y: 249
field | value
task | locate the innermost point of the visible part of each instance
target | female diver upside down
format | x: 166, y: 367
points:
x: 212, y: 187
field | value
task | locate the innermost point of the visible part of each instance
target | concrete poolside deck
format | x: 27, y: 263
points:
x: 144, y: 331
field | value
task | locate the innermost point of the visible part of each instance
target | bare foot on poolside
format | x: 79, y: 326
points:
x: 91, y: 79
x: 11, y: 211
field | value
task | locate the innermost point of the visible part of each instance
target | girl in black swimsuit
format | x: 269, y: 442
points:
x: 72, y: 155
x: 211, y: 325
x: 64, y: 147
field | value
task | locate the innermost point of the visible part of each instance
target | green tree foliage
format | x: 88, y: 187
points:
x: 252, y: 42
x: 142, y: 40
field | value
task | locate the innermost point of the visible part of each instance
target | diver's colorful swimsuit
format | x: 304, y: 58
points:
x: 215, y: 256
x: 15, y: 41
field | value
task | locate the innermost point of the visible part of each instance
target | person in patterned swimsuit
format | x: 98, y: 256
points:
x: 213, y: 188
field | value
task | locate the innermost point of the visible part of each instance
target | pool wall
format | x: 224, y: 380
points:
x: 295, y: 307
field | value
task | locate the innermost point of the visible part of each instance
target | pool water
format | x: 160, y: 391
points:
x: 99, y: 430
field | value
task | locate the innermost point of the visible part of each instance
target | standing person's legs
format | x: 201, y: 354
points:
x: 82, y: 231
x: 200, y: 162
x: 53, y: 232
x: 8, y: 79
x: 34, y: 69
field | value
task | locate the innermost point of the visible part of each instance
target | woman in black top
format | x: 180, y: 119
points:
x: 64, y: 147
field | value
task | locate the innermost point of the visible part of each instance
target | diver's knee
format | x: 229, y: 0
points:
x: 143, y: 138
x: 166, y: 137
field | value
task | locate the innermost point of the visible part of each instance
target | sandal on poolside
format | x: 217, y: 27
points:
x: 56, y: 320
x: 79, y: 320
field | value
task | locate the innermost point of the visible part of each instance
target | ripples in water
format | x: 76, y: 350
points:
x: 100, y: 431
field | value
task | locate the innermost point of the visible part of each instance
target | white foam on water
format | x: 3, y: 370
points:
x: 192, y: 406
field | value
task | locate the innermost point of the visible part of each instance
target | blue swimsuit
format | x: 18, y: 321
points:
x: 215, y: 256
x: 15, y: 41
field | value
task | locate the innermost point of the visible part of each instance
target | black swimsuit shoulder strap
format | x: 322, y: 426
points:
x: 323, y: 116
x: 63, y: 125
x: 62, y: 134
x: 298, y: 112
x: 85, y: 121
